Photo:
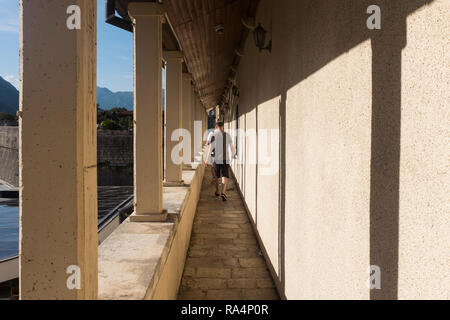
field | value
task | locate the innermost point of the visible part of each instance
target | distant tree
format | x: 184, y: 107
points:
x: 109, y: 124
x: 7, y: 116
x: 101, y: 115
x: 126, y: 122
x: 114, y: 119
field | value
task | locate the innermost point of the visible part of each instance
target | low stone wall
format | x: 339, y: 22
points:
x: 115, y: 147
x: 171, y: 271
x: 114, y: 152
x: 115, y: 158
x: 9, y: 155
x: 145, y: 261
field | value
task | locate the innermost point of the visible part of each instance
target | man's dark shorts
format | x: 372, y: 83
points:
x: 221, y: 170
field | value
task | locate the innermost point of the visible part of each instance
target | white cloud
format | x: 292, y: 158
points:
x: 9, y: 25
x: 9, y: 16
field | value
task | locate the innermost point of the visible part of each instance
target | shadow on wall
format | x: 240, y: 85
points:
x: 323, y: 31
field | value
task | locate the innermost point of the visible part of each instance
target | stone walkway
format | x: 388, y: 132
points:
x: 224, y: 259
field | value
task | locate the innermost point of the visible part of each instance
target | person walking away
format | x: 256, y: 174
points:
x: 225, y: 152
x: 209, y: 162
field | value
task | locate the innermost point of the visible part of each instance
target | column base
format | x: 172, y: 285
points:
x: 195, y: 165
x: 188, y: 167
x: 174, y: 183
x: 198, y: 158
x: 154, y: 217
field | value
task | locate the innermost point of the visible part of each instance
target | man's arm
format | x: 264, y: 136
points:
x: 210, y: 149
x: 209, y: 154
x: 233, y: 149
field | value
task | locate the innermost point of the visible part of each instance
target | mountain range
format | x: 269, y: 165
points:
x: 9, y: 98
x: 107, y: 99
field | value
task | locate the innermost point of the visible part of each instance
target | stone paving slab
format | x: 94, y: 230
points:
x: 224, y: 259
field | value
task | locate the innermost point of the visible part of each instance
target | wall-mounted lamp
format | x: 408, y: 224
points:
x: 219, y: 29
x: 260, y: 38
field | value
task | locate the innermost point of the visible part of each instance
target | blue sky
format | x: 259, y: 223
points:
x: 115, y: 49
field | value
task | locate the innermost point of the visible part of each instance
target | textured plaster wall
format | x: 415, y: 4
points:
x: 327, y: 180
x: 424, y: 228
x: 268, y: 177
x: 363, y: 147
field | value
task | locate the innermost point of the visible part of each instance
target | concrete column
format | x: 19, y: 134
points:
x: 148, y: 171
x: 198, y: 128
x: 58, y: 152
x: 205, y: 124
x: 217, y: 114
x: 174, y: 114
x: 191, y: 122
x: 202, y: 119
x: 206, y: 121
x: 187, y: 101
x: 205, y: 127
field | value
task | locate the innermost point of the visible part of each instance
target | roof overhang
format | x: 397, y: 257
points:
x: 211, y: 58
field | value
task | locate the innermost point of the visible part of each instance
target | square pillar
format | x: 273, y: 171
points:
x: 148, y: 170
x: 205, y: 124
x: 174, y: 116
x: 218, y: 114
x: 206, y: 121
x: 58, y: 151
x: 187, y: 101
x: 198, y: 128
x: 192, y: 122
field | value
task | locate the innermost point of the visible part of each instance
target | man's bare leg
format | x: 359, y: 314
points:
x: 224, y: 189
x: 213, y: 175
x: 216, y: 180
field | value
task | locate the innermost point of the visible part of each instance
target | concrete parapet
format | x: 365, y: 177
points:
x: 146, y: 260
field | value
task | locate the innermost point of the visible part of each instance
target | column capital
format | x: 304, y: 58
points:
x: 145, y: 9
x: 173, y: 55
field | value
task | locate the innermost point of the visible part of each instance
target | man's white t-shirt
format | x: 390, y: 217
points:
x: 210, y: 135
x: 210, y: 159
x: 224, y: 150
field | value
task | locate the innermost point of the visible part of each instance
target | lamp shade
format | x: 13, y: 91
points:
x: 235, y: 91
x: 260, y: 36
